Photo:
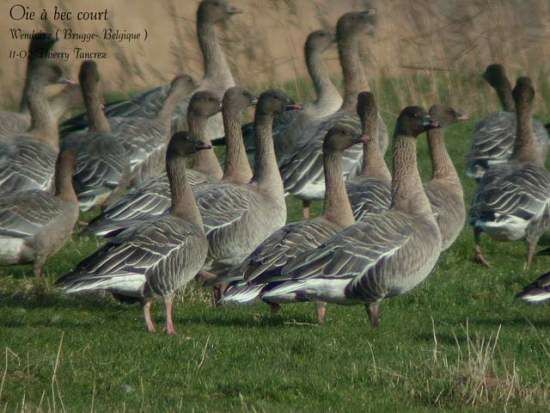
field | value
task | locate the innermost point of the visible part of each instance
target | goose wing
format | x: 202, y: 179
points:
x: 357, y: 250
x: 518, y: 193
x: 130, y: 259
x: 26, y: 163
x: 368, y: 195
x: 23, y: 214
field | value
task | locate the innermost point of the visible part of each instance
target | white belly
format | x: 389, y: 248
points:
x: 14, y: 251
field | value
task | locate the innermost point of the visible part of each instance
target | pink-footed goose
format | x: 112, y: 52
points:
x: 249, y: 278
x: 35, y: 224
x: 102, y: 166
x: 512, y: 201
x: 493, y: 137
x: 217, y: 75
x: 287, y: 126
x: 27, y: 160
x: 303, y: 171
x: 387, y: 255
x: 157, y: 257
x: 152, y: 197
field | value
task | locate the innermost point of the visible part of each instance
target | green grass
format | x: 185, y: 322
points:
x: 459, y: 342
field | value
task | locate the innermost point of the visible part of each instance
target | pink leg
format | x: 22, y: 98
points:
x: 147, y: 314
x: 306, y: 209
x: 374, y: 314
x: 170, y: 330
x: 321, y: 311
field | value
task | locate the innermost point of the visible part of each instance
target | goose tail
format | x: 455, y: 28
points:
x: 241, y: 293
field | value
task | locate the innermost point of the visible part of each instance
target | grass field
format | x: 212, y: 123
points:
x: 459, y: 342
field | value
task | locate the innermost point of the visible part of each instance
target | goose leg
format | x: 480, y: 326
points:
x: 306, y: 208
x: 147, y: 315
x: 531, y: 251
x: 321, y: 308
x: 478, y: 255
x: 170, y: 330
x: 373, y: 311
x: 275, y: 308
x: 38, y: 266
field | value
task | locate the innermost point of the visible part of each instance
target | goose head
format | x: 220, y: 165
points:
x: 320, y: 40
x: 215, y: 11
x: 274, y: 102
x: 524, y: 92
x: 445, y: 115
x: 356, y: 23
x: 40, y: 45
x: 495, y: 75
x: 339, y: 138
x: 204, y: 104
x: 182, y: 144
x: 236, y: 99
x: 182, y: 85
x: 413, y: 121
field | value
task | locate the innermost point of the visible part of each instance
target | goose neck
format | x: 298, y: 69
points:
x: 525, y: 145
x: 374, y: 165
x: 96, y: 118
x: 266, y: 171
x: 65, y: 100
x: 326, y: 92
x: 355, y: 78
x: 442, y: 164
x: 204, y: 161
x: 408, y: 194
x: 64, y: 188
x: 215, y: 63
x: 183, y: 203
x: 237, y: 169
x: 504, y: 93
x: 337, y: 207
x: 43, y: 123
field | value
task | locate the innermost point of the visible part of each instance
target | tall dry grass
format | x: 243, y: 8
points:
x: 436, y: 48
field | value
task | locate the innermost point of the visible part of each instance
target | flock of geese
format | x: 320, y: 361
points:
x: 171, y: 213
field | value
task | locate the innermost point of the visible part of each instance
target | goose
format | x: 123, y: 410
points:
x: 27, y: 160
x: 387, y: 255
x: 35, y: 224
x: 444, y: 190
x: 101, y: 164
x: 61, y: 103
x: 157, y: 257
x: 328, y: 100
x: 538, y: 291
x: 217, y: 75
x: 493, y: 137
x: 297, y: 237
x: 303, y: 171
x: 512, y: 199
x: 152, y: 197
x: 370, y: 191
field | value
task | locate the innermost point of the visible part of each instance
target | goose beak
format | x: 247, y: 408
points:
x: 64, y: 81
x: 430, y: 123
x: 361, y: 139
x: 201, y: 146
x: 293, y: 106
x: 231, y: 10
x: 462, y: 116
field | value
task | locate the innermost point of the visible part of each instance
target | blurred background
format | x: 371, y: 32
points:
x: 426, y: 49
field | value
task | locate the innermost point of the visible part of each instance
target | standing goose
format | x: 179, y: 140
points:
x: 27, y: 160
x: 370, y: 191
x: 217, y: 75
x: 512, y: 200
x: 387, y: 255
x: 35, y: 224
x: 152, y: 197
x: 155, y: 258
x: 101, y: 163
x: 295, y: 238
x: 493, y: 137
x: 238, y: 218
x: 303, y: 171
x: 287, y: 126
x: 444, y: 190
